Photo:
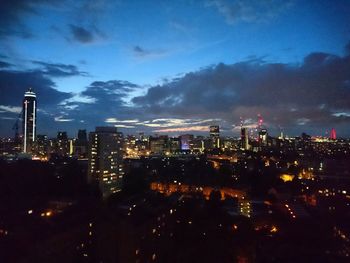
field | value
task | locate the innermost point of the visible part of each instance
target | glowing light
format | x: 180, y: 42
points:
x: 287, y: 177
x: 273, y: 229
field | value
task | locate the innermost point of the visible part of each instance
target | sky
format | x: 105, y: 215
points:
x: 176, y: 67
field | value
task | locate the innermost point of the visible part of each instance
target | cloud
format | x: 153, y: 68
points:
x: 4, y: 64
x: 62, y: 119
x: 183, y: 129
x: 249, y: 10
x: 177, y: 125
x: 99, y: 103
x: 85, y: 35
x: 59, y: 70
x: 114, y: 120
x: 11, y: 17
x: 124, y: 126
x: 109, y: 90
x: 141, y: 52
x: 286, y: 95
x: 13, y: 84
x: 11, y: 109
x: 81, y: 34
x: 347, y: 48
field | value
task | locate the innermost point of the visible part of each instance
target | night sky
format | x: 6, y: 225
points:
x: 177, y: 66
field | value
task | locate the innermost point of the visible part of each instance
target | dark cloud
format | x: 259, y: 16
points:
x: 109, y: 90
x: 347, y: 49
x: 59, y: 70
x: 249, y: 11
x: 313, y: 94
x: 4, y: 64
x: 13, y: 84
x: 106, y: 99
x: 81, y: 34
x: 141, y: 52
x: 12, y: 15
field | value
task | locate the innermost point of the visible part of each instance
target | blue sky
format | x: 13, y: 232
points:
x: 153, y: 44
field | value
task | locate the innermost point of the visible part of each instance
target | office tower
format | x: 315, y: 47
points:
x: 198, y: 144
x: 263, y: 137
x: 186, y: 142
x: 42, y: 146
x: 174, y: 145
x: 215, y: 136
x: 159, y: 144
x: 106, y: 160
x: 82, y: 135
x: 244, y: 139
x: 62, y: 147
x: 333, y: 134
x: 29, y: 120
x: 81, y: 145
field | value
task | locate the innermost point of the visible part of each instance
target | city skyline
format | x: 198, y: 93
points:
x: 192, y: 65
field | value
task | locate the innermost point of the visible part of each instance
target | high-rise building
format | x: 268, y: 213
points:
x: 41, y: 146
x: 263, y: 137
x: 215, y: 136
x: 174, y: 145
x: 29, y: 120
x: 81, y: 145
x: 244, y: 138
x: 62, y: 145
x: 333, y: 135
x: 159, y: 144
x: 106, y: 159
x: 186, y: 142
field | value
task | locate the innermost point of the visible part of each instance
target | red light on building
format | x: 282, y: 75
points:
x: 333, y: 135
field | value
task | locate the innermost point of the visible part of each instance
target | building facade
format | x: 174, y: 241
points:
x: 29, y: 120
x: 215, y: 136
x: 106, y: 160
x: 244, y: 139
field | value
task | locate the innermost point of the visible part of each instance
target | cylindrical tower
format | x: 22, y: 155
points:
x: 29, y: 120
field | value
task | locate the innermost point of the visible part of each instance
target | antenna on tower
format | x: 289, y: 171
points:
x: 281, y: 132
x: 260, y: 121
x: 241, y: 122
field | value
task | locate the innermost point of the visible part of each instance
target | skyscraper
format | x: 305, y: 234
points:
x: 62, y: 144
x: 333, y: 135
x: 263, y: 137
x: 106, y: 159
x: 186, y: 141
x: 29, y: 120
x: 215, y: 136
x: 244, y: 138
x: 81, y: 145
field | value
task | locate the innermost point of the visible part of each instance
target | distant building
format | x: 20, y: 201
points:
x: 215, y: 136
x: 62, y: 144
x: 159, y: 144
x: 198, y: 144
x: 42, y: 146
x: 106, y: 159
x: 263, y: 137
x: 244, y: 138
x: 80, y: 147
x: 333, y: 135
x: 186, y: 141
x: 174, y: 144
x: 29, y: 120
